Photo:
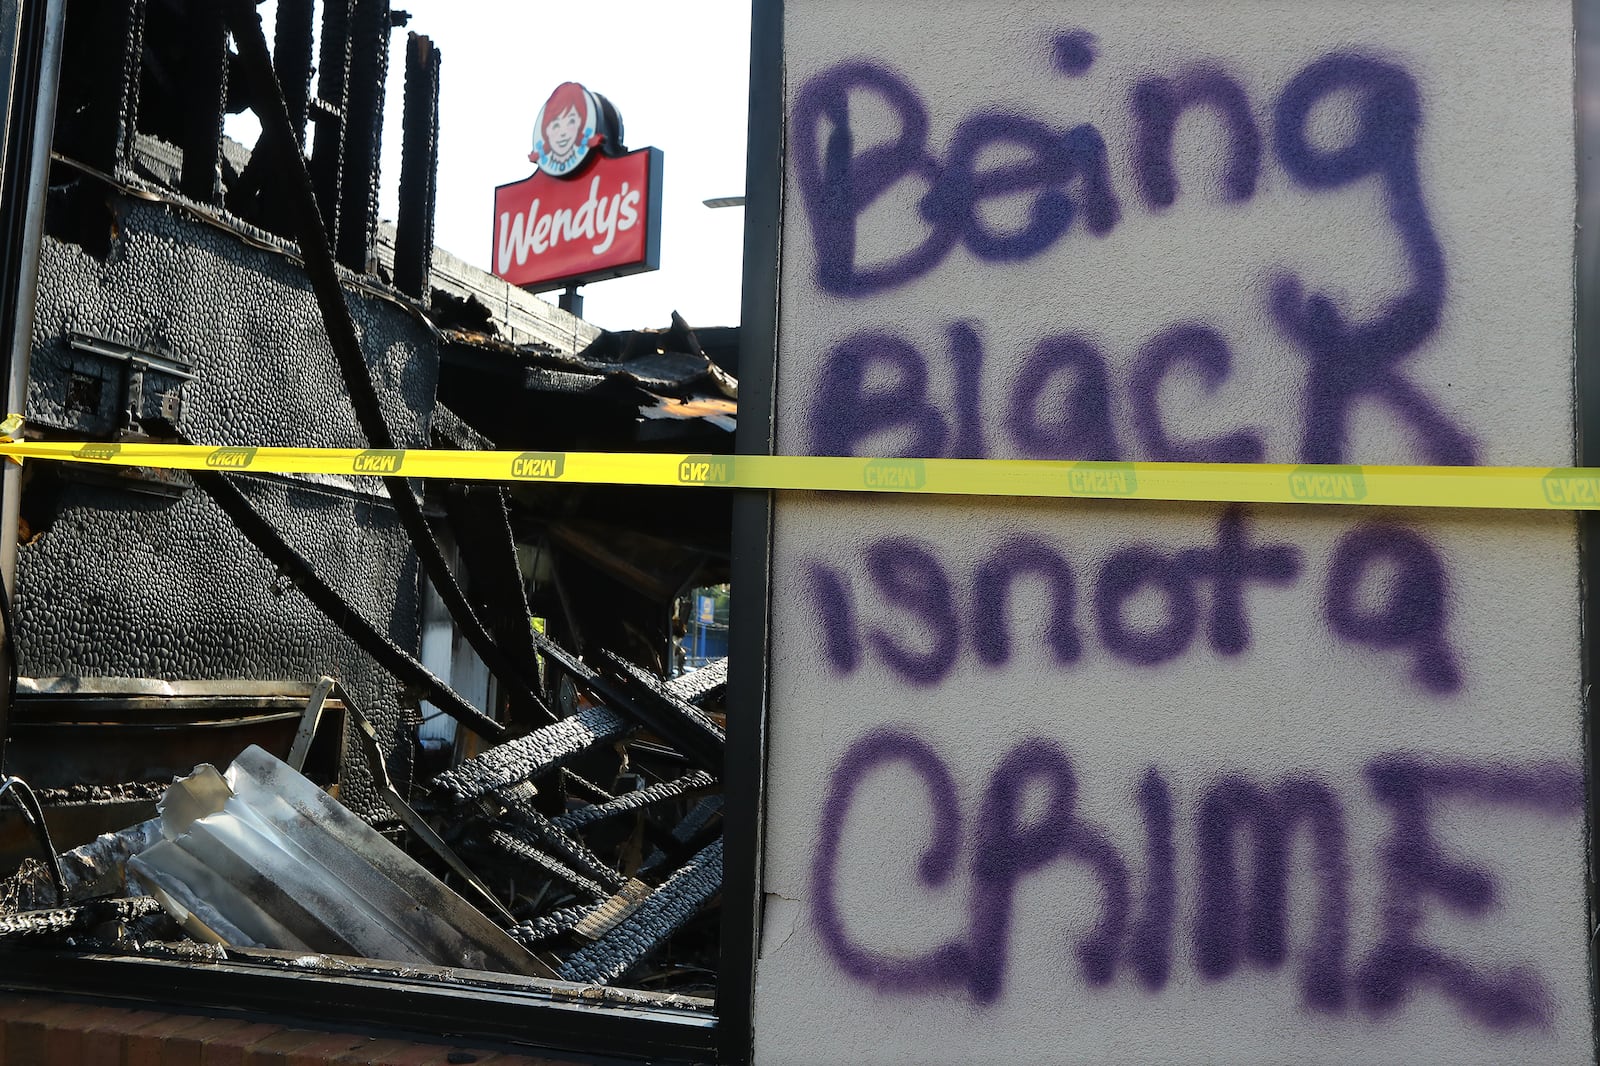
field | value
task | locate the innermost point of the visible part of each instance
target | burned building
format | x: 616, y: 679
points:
x: 194, y: 290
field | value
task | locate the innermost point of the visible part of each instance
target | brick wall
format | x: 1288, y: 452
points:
x: 39, y: 1031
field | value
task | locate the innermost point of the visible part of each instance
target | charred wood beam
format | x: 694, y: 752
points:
x: 533, y: 933
x: 205, y: 85
x: 81, y: 920
x: 698, y: 687
x: 661, y: 915
x: 523, y: 821
x: 584, y: 817
x: 389, y: 655
x: 684, y: 726
x: 482, y: 527
x: 572, y: 782
x: 328, y: 111
x: 528, y: 757
x: 512, y: 848
x: 419, y: 170
x: 291, y: 58
x: 363, y: 133
x: 315, y: 251
x: 697, y: 737
x: 99, y: 106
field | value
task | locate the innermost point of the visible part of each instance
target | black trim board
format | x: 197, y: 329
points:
x: 745, y: 773
x: 1586, y: 381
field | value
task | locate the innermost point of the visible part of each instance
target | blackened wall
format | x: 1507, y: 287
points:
x: 123, y: 582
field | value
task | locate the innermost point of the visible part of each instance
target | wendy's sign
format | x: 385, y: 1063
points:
x: 591, y: 210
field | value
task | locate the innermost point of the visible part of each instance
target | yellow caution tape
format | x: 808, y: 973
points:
x: 1512, y: 488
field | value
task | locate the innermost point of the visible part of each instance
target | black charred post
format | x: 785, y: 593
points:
x: 419, y: 169
x: 358, y: 187
x: 291, y: 58
x: 528, y: 757
x: 329, y: 111
x: 205, y: 85
x: 255, y: 196
x: 96, y: 116
x: 661, y: 915
x: 481, y: 523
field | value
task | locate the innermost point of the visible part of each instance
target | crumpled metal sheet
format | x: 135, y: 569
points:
x: 261, y: 857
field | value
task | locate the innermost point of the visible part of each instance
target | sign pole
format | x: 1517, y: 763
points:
x: 571, y: 301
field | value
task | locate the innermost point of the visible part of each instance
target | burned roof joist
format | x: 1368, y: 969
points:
x: 700, y: 686
x: 663, y: 913
x: 513, y: 847
x: 530, y: 756
x: 584, y: 817
x: 633, y: 692
x: 282, y: 555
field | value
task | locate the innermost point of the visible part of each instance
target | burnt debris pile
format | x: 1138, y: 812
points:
x: 602, y: 831
x: 592, y: 845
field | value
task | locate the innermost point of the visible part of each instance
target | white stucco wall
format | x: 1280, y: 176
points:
x: 1393, y: 695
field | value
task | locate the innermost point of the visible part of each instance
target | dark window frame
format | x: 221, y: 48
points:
x: 257, y: 984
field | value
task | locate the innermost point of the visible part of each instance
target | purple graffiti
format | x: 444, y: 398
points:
x: 1241, y: 916
x: 1073, y: 52
x: 1234, y: 924
x: 1204, y: 349
x: 848, y: 411
x: 1158, y: 103
x: 909, y: 576
x: 1419, y: 871
x: 838, y: 183
x: 1126, y: 574
x: 1205, y: 585
x: 1233, y: 564
x: 992, y: 582
x: 1352, y: 361
x: 1416, y: 598
x: 1054, y: 163
x: 1151, y: 947
x: 1004, y: 851
x: 966, y: 357
x: 876, y: 395
x: 1081, y: 427
x: 828, y: 590
x: 1057, y: 175
x: 945, y: 965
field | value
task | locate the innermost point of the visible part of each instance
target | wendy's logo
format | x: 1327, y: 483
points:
x: 570, y: 123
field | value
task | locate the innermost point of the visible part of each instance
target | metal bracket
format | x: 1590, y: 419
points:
x: 151, y: 382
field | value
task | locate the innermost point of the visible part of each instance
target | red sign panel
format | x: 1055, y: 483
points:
x: 603, y: 220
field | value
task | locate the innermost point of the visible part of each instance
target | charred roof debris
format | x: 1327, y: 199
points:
x: 504, y: 729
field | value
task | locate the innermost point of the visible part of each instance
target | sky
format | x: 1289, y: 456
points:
x: 678, y: 73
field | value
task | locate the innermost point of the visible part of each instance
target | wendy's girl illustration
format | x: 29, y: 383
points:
x: 565, y: 129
